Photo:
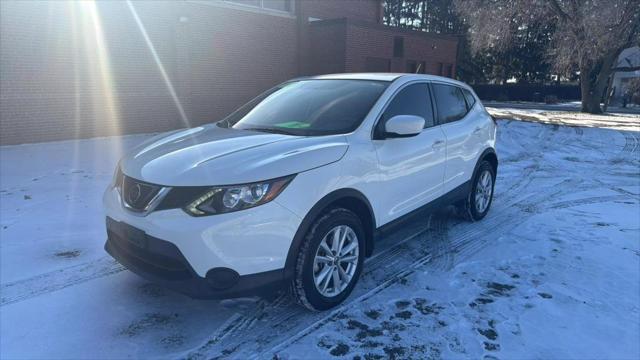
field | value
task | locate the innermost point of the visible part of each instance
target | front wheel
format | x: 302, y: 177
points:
x: 478, y: 202
x: 330, y: 260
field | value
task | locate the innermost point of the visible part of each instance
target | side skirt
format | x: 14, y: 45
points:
x: 459, y: 193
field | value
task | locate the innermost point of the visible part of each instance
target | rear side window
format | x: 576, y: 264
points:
x: 471, y: 100
x: 412, y: 100
x: 450, y: 102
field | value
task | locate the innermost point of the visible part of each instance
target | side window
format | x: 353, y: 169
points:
x: 471, y: 100
x: 450, y: 102
x: 412, y: 100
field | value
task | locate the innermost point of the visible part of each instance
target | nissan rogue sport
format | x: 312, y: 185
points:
x: 292, y: 188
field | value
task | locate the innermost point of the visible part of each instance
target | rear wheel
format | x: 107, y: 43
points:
x: 330, y: 260
x: 478, y: 202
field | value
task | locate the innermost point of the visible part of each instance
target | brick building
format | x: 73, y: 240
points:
x: 85, y: 69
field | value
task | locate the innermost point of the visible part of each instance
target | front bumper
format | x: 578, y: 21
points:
x: 162, y: 262
x: 194, y: 255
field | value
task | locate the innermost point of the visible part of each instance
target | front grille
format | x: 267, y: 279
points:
x: 138, y: 195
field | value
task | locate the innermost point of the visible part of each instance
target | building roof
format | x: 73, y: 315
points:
x: 629, y: 58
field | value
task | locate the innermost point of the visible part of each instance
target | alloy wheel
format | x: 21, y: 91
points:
x: 336, y: 261
x: 484, y: 190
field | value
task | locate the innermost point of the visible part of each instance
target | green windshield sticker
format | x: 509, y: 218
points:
x: 293, y: 125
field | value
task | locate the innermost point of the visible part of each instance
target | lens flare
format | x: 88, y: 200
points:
x: 156, y: 58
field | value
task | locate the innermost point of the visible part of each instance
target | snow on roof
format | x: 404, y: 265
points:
x: 629, y: 57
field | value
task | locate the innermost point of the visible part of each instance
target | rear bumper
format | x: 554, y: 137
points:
x: 162, y: 262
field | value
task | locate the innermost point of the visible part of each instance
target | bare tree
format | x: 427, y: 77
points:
x: 587, y: 36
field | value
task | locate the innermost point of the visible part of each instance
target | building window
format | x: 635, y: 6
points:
x: 412, y: 66
x: 398, y: 46
x: 440, y: 69
x: 277, y: 5
x: 449, y: 72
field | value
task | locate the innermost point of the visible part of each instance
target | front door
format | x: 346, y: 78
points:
x: 411, y: 169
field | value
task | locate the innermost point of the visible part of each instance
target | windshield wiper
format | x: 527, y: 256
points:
x: 269, y: 130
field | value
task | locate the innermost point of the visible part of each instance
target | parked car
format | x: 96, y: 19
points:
x: 293, y: 187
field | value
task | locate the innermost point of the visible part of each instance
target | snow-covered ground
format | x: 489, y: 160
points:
x: 570, y: 106
x: 552, y: 272
x: 552, y: 114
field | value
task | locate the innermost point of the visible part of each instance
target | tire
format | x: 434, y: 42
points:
x: 476, y: 207
x: 309, y: 267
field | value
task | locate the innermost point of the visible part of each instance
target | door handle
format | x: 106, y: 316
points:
x: 437, y: 144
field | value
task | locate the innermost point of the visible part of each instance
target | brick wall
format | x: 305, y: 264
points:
x: 62, y: 80
x: 84, y: 69
x: 376, y: 41
x: 342, y: 45
x: 327, y: 50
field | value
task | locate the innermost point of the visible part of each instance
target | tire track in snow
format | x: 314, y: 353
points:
x: 587, y: 201
x: 527, y: 175
x: 336, y: 313
x: 381, y: 270
x: 58, y: 280
x: 441, y: 257
x: 632, y: 142
x: 500, y: 221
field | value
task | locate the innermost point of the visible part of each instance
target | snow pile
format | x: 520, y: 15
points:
x: 629, y: 122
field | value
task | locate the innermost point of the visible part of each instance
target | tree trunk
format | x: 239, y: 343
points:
x: 590, y: 99
x: 593, y: 81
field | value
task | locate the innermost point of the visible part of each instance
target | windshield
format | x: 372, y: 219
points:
x: 309, y: 107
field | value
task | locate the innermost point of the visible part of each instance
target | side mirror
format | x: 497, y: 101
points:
x: 404, y: 126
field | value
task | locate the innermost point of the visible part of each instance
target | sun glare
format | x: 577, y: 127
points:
x: 156, y: 58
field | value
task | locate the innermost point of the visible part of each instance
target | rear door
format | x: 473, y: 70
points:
x: 411, y: 169
x: 463, y: 132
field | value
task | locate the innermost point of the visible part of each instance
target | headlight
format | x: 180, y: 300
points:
x: 224, y: 199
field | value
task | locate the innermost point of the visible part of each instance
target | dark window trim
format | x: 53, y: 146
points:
x: 432, y: 95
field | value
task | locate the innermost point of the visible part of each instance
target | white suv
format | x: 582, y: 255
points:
x: 293, y: 187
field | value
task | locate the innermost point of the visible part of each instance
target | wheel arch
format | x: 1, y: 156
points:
x: 489, y: 154
x: 347, y: 198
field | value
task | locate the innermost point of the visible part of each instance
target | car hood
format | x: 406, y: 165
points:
x: 211, y: 155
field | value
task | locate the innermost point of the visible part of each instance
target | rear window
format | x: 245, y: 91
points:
x: 450, y: 103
